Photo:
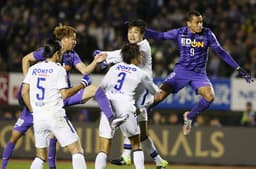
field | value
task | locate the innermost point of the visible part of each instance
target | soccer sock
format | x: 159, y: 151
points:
x: 202, y: 105
x: 104, y: 103
x: 37, y: 163
x: 149, y: 146
x: 138, y: 159
x: 7, y: 154
x: 52, y: 153
x: 127, y: 148
x: 101, y: 160
x: 78, y: 161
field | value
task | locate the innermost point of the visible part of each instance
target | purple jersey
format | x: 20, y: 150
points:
x: 69, y: 60
x: 193, y: 48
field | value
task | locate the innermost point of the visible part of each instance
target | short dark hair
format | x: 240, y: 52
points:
x: 51, y: 47
x: 130, y: 51
x: 190, y: 15
x: 138, y: 23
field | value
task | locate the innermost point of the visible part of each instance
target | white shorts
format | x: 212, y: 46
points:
x: 129, y: 128
x: 61, y: 127
x: 144, y: 100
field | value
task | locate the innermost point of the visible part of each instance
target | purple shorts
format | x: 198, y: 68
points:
x: 179, y: 79
x: 24, y: 122
x: 75, y: 99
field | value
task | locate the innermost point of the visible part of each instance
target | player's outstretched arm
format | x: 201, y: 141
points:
x: 67, y: 92
x: 150, y: 33
x: 90, y: 68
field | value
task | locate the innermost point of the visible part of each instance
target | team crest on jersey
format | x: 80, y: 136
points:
x: 192, y: 43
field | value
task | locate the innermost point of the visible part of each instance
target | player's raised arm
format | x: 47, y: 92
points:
x: 26, y: 60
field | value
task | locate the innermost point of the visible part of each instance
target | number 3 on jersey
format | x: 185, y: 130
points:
x: 40, y: 94
x: 120, y: 81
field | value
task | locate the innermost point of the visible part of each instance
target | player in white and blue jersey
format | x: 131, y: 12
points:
x: 143, y: 97
x: 121, y: 83
x: 44, y: 89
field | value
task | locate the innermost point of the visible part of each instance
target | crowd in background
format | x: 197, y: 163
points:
x: 25, y: 25
x: 101, y: 24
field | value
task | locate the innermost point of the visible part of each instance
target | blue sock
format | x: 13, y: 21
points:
x: 104, y: 103
x: 201, y: 106
x: 52, y: 153
x: 8, y: 150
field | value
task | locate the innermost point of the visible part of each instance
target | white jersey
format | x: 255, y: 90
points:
x: 122, y: 81
x: 120, y: 85
x: 115, y: 56
x: 45, y: 80
x: 142, y: 97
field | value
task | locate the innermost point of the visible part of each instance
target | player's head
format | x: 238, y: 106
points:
x: 66, y: 35
x: 136, y: 30
x: 52, y: 49
x: 131, y: 54
x: 194, y: 21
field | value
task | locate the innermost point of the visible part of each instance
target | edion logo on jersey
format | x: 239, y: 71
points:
x: 192, y: 43
x: 126, y: 68
x: 41, y: 71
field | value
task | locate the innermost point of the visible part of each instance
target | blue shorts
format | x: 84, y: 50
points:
x: 179, y: 79
x: 24, y: 122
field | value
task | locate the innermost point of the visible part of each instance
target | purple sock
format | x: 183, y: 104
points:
x: 201, y: 106
x: 52, y: 153
x: 104, y: 103
x: 8, y: 150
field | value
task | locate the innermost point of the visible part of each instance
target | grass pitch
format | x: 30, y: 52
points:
x: 25, y: 164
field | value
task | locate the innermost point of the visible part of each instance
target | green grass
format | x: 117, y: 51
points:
x: 25, y: 164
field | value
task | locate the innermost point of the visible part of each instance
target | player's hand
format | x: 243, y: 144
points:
x: 99, y: 56
x: 86, y: 80
x: 245, y: 75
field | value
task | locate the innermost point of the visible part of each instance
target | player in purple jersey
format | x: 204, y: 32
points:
x: 70, y: 59
x: 193, y: 42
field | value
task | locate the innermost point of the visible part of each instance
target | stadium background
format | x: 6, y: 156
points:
x: 25, y: 26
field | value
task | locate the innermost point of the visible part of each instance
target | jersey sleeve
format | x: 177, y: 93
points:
x: 77, y: 58
x: 62, y: 78
x: 38, y: 54
x: 149, y: 84
x: 113, y: 56
x: 171, y: 34
x: 215, y: 45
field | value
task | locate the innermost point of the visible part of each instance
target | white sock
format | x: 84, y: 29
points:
x: 149, y: 146
x: 101, y: 160
x: 37, y: 163
x: 78, y: 161
x: 138, y: 159
x: 127, y: 148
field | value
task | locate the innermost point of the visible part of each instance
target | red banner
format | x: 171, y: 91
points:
x: 4, y: 79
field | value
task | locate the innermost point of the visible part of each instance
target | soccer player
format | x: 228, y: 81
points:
x: 143, y: 97
x: 193, y: 41
x: 120, y: 84
x: 44, y: 88
x: 67, y: 36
